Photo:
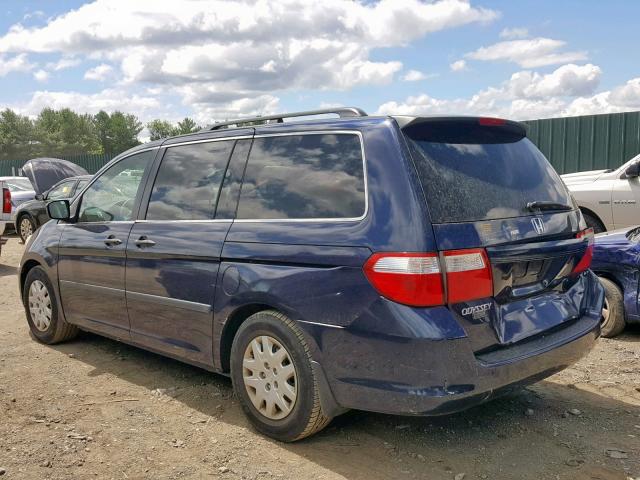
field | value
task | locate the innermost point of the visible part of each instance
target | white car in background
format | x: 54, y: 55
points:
x: 13, y: 192
x: 609, y: 199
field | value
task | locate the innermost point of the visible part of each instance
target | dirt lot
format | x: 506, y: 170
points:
x: 94, y: 408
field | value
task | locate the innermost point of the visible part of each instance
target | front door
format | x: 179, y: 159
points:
x: 626, y: 202
x: 173, y: 254
x: 92, y: 250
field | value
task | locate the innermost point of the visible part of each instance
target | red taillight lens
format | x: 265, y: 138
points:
x: 416, y: 278
x: 468, y: 275
x: 409, y: 278
x: 6, y: 200
x: 585, y: 261
x: 491, y: 122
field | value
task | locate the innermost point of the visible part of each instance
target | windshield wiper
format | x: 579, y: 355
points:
x: 544, y: 205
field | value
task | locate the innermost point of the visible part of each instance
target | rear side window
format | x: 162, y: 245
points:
x: 188, y: 181
x: 304, y: 177
x: 472, y: 174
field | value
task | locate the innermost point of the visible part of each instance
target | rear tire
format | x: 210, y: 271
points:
x: 256, y: 367
x: 613, y: 322
x: 41, y: 306
x: 594, y: 222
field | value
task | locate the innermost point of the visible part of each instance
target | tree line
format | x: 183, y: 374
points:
x: 60, y: 133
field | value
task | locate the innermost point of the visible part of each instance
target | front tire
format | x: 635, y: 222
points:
x: 273, y: 378
x: 613, y: 322
x: 26, y: 227
x: 41, y: 306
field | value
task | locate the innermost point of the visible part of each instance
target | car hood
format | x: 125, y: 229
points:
x: 43, y: 173
x: 582, y: 177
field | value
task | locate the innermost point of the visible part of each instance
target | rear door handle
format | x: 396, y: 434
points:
x: 111, y: 241
x: 143, y: 242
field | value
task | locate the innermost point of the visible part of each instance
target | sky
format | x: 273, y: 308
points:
x: 215, y: 60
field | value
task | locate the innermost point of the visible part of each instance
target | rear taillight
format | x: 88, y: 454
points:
x: 468, y: 275
x: 409, y: 278
x: 585, y: 261
x: 6, y: 200
x: 417, y: 278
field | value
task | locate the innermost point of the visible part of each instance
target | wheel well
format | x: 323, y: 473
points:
x: 231, y: 328
x: 611, y: 278
x: 591, y: 213
x: 26, y: 268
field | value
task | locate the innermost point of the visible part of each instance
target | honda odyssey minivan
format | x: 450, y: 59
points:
x: 405, y: 265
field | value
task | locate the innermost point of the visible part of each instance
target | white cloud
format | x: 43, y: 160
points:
x: 109, y: 100
x: 415, y: 76
x: 568, y: 80
x: 217, y: 52
x: 627, y: 95
x: 567, y: 91
x: 98, y: 73
x: 41, y: 75
x: 514, y: 33
x: 17, y: 63
x: 63, y: 63
x: 458, y: 66
x: 529, y: 53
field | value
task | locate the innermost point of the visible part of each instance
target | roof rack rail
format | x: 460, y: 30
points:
x: 341, y: 112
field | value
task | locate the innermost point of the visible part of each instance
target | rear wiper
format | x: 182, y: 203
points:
x: 544, y: 205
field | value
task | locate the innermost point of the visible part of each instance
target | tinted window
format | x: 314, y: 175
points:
x: 304, y: 176
x: 62, y: 190
x: 188, y: 181
x: 471, y: 175
x: 112, y: 196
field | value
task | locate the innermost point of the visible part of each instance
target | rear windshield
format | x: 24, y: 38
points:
x: 477, y: 175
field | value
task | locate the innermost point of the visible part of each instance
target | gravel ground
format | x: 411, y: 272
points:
x: 94, y: 408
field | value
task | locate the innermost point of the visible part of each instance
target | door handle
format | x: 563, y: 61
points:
x: 111, y: 241
x: 143, y: 242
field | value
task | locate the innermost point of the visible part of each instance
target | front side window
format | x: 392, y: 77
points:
x: 313, y: 176
x: 188, y: 181
x: 60, y: 191
x: 112, y: 196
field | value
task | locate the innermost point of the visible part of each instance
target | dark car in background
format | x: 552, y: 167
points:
x: 50, y: 179
x: 405, y: 265
x: 30, y: 215
x: 616, y: 260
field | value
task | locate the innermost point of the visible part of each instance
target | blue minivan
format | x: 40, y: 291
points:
x: 396, y: 264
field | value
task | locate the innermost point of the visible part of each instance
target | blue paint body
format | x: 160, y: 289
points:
x: 616, y: 256
x: 186, y: 296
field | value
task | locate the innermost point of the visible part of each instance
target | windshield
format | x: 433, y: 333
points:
x: 19, y: 184
x: 475, y: 177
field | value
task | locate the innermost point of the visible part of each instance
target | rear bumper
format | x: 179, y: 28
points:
x: 418, y: 376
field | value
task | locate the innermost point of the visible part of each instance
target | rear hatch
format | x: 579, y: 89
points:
x: 491, y: 192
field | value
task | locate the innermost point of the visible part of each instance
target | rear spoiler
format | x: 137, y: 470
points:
x: 462, y: 129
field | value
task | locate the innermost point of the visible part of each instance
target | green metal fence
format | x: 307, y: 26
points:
x: 592, y: 142
x: 91, y: 163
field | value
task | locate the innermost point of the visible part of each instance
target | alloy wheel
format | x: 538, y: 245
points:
x: 26, y: 228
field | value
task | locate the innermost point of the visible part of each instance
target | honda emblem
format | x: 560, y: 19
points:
x: 538, y: 225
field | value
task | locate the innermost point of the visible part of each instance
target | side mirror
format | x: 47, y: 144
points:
x: 39, y: 196
x: 59, y: 210
x: 633, y: 170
